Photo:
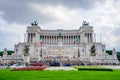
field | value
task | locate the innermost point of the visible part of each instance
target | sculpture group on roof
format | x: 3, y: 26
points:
x: 85, y: 23
x: 34, y: 23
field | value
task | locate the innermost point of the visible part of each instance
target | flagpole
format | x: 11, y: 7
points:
x: 41, y: 46
x: 77, y: 41
x: 78, y: 50
x: 41, y: 52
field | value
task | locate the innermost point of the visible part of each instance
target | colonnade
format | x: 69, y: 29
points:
x: 89, y: 37
x: 31, y: 37
x: 53, y: 39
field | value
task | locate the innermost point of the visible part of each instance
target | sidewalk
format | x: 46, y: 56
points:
x: 60, y: 68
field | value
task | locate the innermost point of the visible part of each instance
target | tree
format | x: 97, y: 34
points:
x: 118, y: 56
x: 26, y: 50
x: 109, y: 52
x: 93, y: 51
x: 26, y: 54
x: 1, y: 53
x: 10, y: 52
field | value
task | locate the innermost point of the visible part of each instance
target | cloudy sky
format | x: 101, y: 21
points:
x: 16, y: 15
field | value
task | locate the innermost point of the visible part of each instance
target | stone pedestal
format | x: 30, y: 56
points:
x: 59, y: 42
x: 27, y: 59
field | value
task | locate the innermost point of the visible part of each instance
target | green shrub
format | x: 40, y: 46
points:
x: 118, y: 56
x: 95, y: 69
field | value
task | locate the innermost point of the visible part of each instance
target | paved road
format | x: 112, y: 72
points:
x: 3, y: 67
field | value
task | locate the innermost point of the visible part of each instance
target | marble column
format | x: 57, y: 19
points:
x: 49, y: 39
x: 31, y: 37
x: 88, y: 37
x: 63, y: 39
x: 68, y: 39
x: 56, y: 39
x: 28, y: 37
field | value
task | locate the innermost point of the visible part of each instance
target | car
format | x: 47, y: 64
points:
x: 37, y: 64
x: 54, y: 63
x: 17, y: 66
x: 68, y: 64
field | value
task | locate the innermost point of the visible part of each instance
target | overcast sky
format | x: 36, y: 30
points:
x: 16, y: 15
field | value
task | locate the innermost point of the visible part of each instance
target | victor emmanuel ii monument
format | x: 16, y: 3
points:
x: 60, y: 45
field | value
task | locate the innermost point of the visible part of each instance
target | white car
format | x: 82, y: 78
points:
x: 17, y: 66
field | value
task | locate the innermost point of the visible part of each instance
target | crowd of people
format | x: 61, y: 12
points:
x: 63, y: 61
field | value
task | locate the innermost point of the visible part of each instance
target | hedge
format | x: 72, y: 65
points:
x: 94, y: 69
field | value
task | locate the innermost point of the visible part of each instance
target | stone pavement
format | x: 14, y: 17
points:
x: 111, y: 67
x: 60, y: 68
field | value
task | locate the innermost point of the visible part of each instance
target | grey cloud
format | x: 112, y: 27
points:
x: 85, y: 4
x: 18, y: 10
x: 116, y: 32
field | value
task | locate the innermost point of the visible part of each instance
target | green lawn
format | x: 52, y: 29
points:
x: 59, y: 75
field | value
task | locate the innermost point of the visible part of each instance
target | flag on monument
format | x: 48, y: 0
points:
x: 41, y: 40
x: 76, y: 40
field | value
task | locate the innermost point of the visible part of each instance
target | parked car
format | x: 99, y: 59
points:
x: 37, y: 64
x: 68, y: 64
x: 54, y: 63
x: 17, y: 66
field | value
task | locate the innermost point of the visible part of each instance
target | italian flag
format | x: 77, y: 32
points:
x: 76, y: 40
x: 41, y: 40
